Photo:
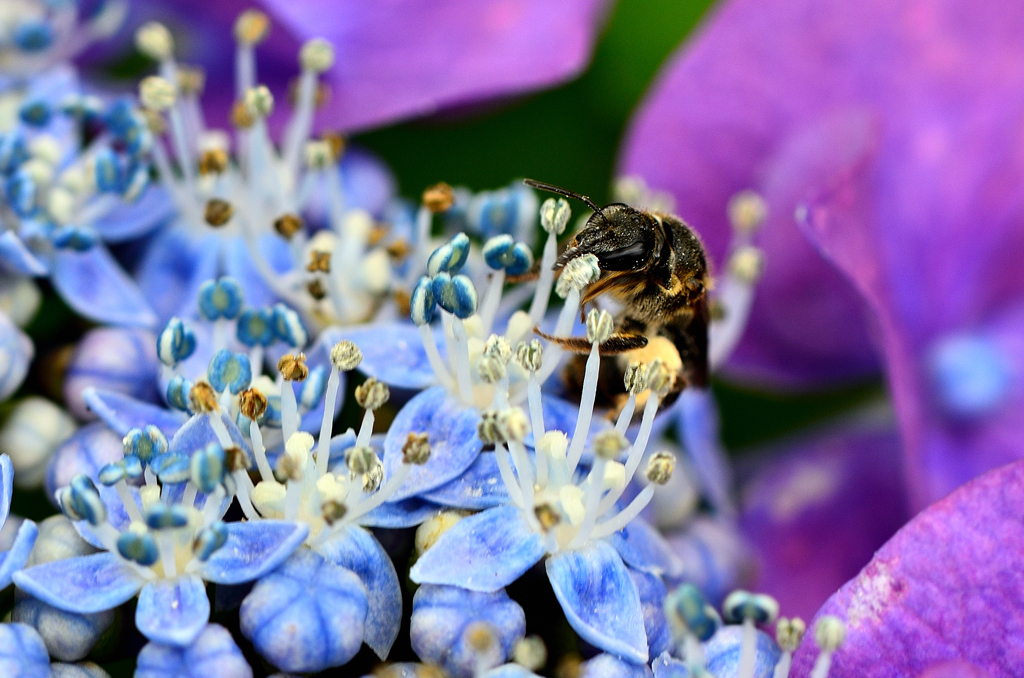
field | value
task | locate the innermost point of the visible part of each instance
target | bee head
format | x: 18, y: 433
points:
x: 621, y: 237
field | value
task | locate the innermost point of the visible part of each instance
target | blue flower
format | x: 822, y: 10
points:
x: 22, y: 652
x: 13, y: 559
x: 213, y: 652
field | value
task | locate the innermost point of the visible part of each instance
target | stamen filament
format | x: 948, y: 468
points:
x: 300, y: 124
x: 537, y: 422
x: 243, y: 491
x: 492, y: 298
x: 782, y: 668
x: 553, y: 355
x: 256, y: 436
x: 523, y: 469
x: 579, y: 435
x: 289, y: 410
x: 323, y: 448
x: 515, y: 492
x: 591, y: 498
x: 542, y: 294
x: 365, y: 429
x: 434, y: 357
x: 748, y: 650
x: 626, y: 415
x: 822, y: 665
x: 292, y: 499
x: 385, y: 492
x: 130, y: 507
x: 167, y: 558
x: 461, y: 350
x: 619, y: 521
x: 636, y: 452
x: 219, y: 429
x: 188, y: 497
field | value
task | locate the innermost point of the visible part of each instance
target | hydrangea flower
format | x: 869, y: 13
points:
x: 14, y: 558
x: 212, y: 653
x: 159, y: 548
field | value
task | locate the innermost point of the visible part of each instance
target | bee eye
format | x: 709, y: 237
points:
x: 623, y: 259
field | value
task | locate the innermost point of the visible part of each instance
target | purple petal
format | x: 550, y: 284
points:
x: 253, y: 549
x: 173, y: 612
x: 817, y: 512
x: 15, y: 558
x: 17, y: 259
x: 945, y: 587
x: 955, y: 669
x: 82, y: 584
x: 121, y: 412
x: 129, y: 221
x: 600, y: 600
x: 393, y: 353
x: 483, y: 552
x: 112, y: 359
x: 95, y: 285
x: 89, y: 449
x: 212, y: 653
x: 357, y: 550
x: 451, y: 430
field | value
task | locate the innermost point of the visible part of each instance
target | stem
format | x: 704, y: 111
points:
x: 462, y: 361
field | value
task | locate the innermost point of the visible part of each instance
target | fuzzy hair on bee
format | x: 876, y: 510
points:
x: 653, y: 265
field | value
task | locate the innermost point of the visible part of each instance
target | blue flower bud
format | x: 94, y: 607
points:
x: 207, y: 468
x: 36, y: 113
x: 178, y: 389
x: 33, y: 35
x: 230, y: 371
x: 21, y: 192
x: 496, y: 212
x: 221, y: 298
x: 497, y: 250
x: 209, y: 539
x: 313, y: 388
x: 456, y: 295
x: 172, y: 468
x: 288, y: 326
x: 81, y: 501
x: 109, y: 173
x: 256, y: 327
x: 144, y: 443
x: 137, y: 182
x: 139, y: 548
x: 176, y: 343
x: 687, y: 606
x: 422, y: 302
x: 13, y: 151
x: 73, y: 238
x: 162, y: 516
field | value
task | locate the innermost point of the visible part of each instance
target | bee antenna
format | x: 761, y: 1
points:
x: 551, y: 188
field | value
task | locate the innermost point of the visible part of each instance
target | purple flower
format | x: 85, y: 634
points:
x: 943, y: 593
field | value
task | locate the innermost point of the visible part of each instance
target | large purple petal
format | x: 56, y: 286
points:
x: 83, y: 584
x: 121, y: 412
x: 817, y: 511
x: 173, y: 612
x: 253, y: 549
x: 945, y: 587
x: 451, y: 430
x: 96, y: 286
x: 483, y: 552
x: 600, y: 600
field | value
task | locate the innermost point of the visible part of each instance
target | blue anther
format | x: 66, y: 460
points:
x: 743, y: 605
x: 13, y: 151
x: 456, y: 295
x: 207, y: 468
x: 172, y: 468
x: 119, y: 117
x: 256, y: 327
x: 81, y: 501
x: 176, y: 343
x: 422, y: 302
x: 521, y: 260
x: 162, y: 516
x: 139, y: 548
x: 230, y: 371
x: 112, y: 473
x: 144, y: 443
x: 73, y: 238
x: 499, y: 211
x: 498, y: 250
x: 33, y: 35
x: 132, y: 466
x: 971, y: 375
x: 209, y: 539
x: 108, y: 170
x: 449, y: 257
x: 688, y: 607
x: 178, y: 389
x: 35, y: 112
x: 288, y: 326
x: 137, y: 181
x: 22, y: 192
x: 313, y: 388
x: 221, y: 298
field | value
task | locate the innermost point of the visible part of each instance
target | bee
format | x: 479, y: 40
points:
x: 654, y: 266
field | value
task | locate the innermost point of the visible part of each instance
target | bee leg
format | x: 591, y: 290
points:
x: 623, y: 343
x: 574, y: 344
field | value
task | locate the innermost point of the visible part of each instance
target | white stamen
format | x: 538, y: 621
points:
x: 461, y: 357
x: 188, y: 497
x: 594, y: 490
x: 219, y: 429
x: 579, y: 435
x: 626, y: 415
x: 365, y: 429
x: 617, y: 522
x: 542, y: 294
x: 323, y: 448
x: 748, y: 650
x: 515, y: 492
x: 130, y: 507
x: 243, y: 492
x: 386, y: 490
x: 167, y: 554
x: 565, y: 321
x: 256, y: 436
x: 492, y: 298
x: 434, y: 357
x: 289, y: 410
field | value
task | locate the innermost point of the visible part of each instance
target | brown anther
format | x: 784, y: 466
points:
x: 319, y: 261
x: 252, y: 403
x: 191, y: 79
x: 218, y: 212
x: 316, y: 289
x: 404, y: 302
x: 399, y: 249
x: 154, y: 121
x: 235, y: 458
x: 202, y: 398
x: 416, y: 449
x: 337, y: 143
x: 333, y: 511
x: 372, y: 394
x: 293, y: 367
x: 438, y: 198
x: 377, y: 234
x: 547, y: 516
x: 240, y: 116
x: 213, y: 161
x: 251, y: 27
x: 288, y: 225
x: 320, y: 99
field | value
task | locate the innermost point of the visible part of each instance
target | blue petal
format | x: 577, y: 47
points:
x: 479, y: 487
x: 510, y: 671
x: 723, y: 653
x: 173, y: 268
x: 697, y: 420
x: 399, y: 514
x: 83, y: 670
x: 451, y: 430
x: 13, y: 560
x: 95, y: 285
x: 600, y: 600
x: 667, y: 666
x: 22, y: 652
x: 115, y: 359
x: 6, y: 487
x: 212, y: 653
x: 17, y: 259
x: 642, y: 547
x: 239, y: 265
x: 607, y: 666
x: 197, y: 433
x: 392, y: 352
x: 89, y: 449
x: 173, y: 611
x: 121, y: 412
x: 483, y: 552
x: 253, y: 549
x: 130, y: 220
x: 357, y: 550
x: 16, y: 351
x: 306, y: 616
x: 68, y: 636
x: 83, y: 584
x: 652, y: 593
